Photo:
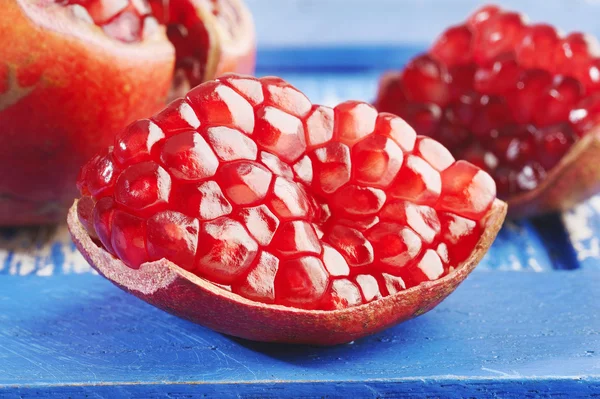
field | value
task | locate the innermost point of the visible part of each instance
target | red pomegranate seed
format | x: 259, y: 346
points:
x: 230, y: 144
x: 187, y: 156
x: 456, y: 229
x: 417, y: 181
x: 530, y: 176
x: 128, y: 238
x: 280, y: 133
x: 260, y: 222
x: 334, y: 262
x: 482, y: 15
x: 421, y: 218
x: 173, y: 236
x: 301, y: 282
x: 393, y: 284
x: 556, y: 103
x: 319, y: 125
x: 397, y: 129
x: 368, y: 287
x: 461, y: 81
x: 296, y: 237
x: 250, y: 88
x: 344, y: 294
x: 394, y: 246
x: 245, y: 183
x: 575, y: 53
x: 467, y: 190
x: 352, y: 244
x: 555, y: 141
x: 586, y: 114
x: 103, y: 221
x: 428, y: 268
x: 434, y: 153
x: 143, y: 188
x: 249, y: 186
x: 499, y: 35
x: 493, y: 113
x: 332, y: 165
x: 177, y: 116
x: 425, y: 80
x: 524, y: 99
x: 376, y: 161
x: 424, y: 118
x: 538, y: 46
x: 453, y: 47
x: 136, y: 142
x: 205, y: 200
x: 354, y: 121
x: 226, y: 250
x: 259, y: 284
x: 497, y: 77
x: 100, y: 175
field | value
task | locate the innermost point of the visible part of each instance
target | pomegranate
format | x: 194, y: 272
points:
x: 247, y: 209
x: 519, y: 100
x: 72, y: 72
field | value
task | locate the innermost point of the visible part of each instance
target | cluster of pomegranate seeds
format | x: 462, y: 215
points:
x: 247, y: 184
x: 508, y: 96
x: 132, y: 21
x: 129, y: 21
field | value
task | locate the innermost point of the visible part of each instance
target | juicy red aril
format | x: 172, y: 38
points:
x: 225, y: 252
x: 425, y: 80
x: 500, y: 34
x: 538, y: 46
x: 135, y: 143
x: 284, y: 202
x: 454, y: 46
x: 508, y: 96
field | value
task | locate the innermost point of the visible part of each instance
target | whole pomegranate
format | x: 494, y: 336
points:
x: 73, y: 72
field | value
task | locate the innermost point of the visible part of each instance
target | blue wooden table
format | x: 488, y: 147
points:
x: 525, y: 324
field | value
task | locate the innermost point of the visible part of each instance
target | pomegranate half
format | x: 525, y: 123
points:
x: 520, y: 100
x: 73, y: 72
x: 245, y: 208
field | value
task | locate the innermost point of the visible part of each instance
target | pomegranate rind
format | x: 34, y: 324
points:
x: 574, y: 179
x: 227, y: 52
x: 170, y: 288
x: 70, y: 87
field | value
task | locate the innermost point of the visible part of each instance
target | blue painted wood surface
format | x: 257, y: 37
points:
x: 502, y: 335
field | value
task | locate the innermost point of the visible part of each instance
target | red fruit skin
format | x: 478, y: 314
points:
x: 165, y: 285
x: 81, y: 87
x: 69, y: 89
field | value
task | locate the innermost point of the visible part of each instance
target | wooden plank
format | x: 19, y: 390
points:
x: 512, y: 335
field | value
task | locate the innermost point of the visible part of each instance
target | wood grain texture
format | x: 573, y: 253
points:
x: 508, y: 335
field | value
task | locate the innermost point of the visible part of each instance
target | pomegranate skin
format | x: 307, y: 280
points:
x: 168, y: 287
x: 66, y: 88
x: 573, y: 180
x: 70, y: 88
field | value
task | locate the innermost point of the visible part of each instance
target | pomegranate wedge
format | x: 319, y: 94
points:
x: 247, y: 209
x: 519, y: 100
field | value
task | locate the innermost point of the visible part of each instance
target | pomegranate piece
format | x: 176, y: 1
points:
x: 510, y: 97
x: 122, y: 44
x: 358, y: 215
